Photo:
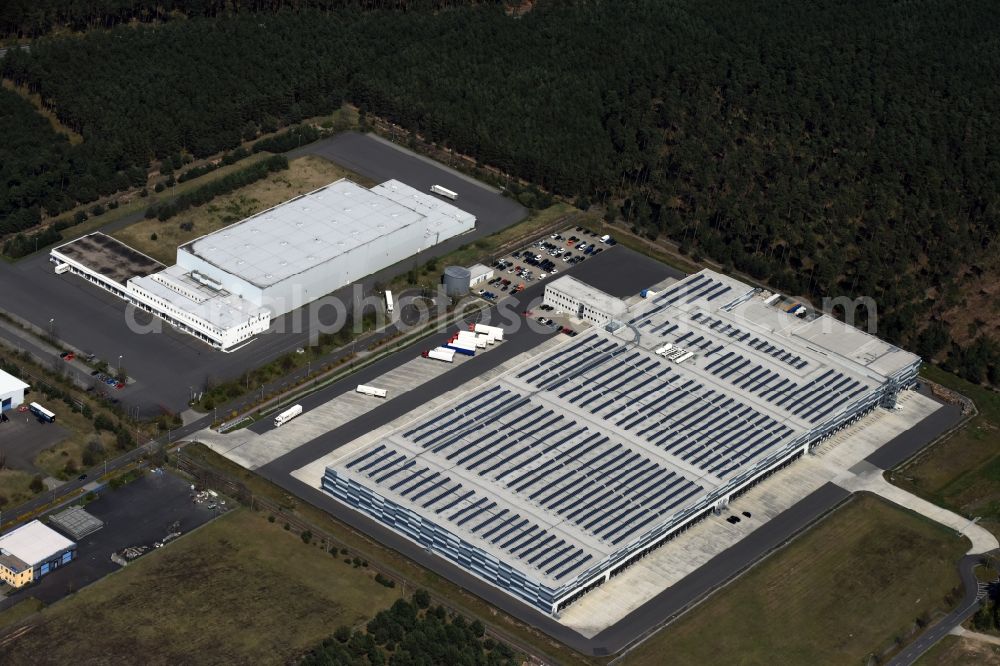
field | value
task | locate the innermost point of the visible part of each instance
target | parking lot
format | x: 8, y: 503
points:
x: 543, y: 260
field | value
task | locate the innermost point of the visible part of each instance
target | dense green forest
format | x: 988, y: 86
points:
x: 844, y: 147
x: 41, y: 172
x: 412, y: 633
x: 34, y: 18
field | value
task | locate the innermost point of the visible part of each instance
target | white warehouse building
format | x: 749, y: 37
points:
x: 226, y: 286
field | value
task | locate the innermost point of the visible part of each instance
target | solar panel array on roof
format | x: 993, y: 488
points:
x: 579, y: 478
x: 584, y: 457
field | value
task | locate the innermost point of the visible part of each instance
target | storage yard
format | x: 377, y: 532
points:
x: 562, y: 473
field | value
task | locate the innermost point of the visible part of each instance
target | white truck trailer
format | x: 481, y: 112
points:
x: 287, y: 415
x: 441, y: 354
x: 372, y: 391
x: 496, y: 331
x: 444, y: 192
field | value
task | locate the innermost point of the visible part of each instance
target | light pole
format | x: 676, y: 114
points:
x: 52, y: 326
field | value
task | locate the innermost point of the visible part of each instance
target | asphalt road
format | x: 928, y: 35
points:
x: 906, y: 445
x: 168, y: 365
x: 969, y: 605
x: 380, y: 160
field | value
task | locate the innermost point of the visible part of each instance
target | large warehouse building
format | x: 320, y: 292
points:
x: 559, y: 474
x: 226, y: 286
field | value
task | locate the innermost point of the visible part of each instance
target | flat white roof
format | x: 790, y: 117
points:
x: 584, y: 293
x: 175, y: 286
x: 477, y: 270
x: 10, y: 384
x: 34, y: 543
x: 314, y: 228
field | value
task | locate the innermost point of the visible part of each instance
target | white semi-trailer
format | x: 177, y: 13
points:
x: 496, y: 331
x: 287, y: 415
x: 463, y: 347
x: 372, y: 391
x: 441, y: 354
x: 444, y: 192
x: 388, y: 301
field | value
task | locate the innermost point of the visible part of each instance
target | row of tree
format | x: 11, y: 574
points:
x: 413, y: 633
x: 208, y: 191
x: 850, y: 149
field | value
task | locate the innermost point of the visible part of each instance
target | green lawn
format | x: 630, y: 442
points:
x: 470, y: 604
x: 238, y: 591
x: 846, y: 588
x: 963, y: 471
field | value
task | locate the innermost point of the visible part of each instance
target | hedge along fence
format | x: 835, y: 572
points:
x: 224, y: 185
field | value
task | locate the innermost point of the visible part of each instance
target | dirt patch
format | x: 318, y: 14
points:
x: 161, y: 239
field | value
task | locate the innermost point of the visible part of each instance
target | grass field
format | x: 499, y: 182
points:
x: 304, y: 174
x: 846, y: 588
x: 458, y: 597
x: 962, y: 472
x: 957, y: 651
x: 65, y: 459
x: 238, y: 591
x: 14, y: 487
x: 19, y: 611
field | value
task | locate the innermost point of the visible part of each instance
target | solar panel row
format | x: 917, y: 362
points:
x: 448, y: 498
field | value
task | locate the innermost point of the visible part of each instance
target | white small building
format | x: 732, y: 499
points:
x: 578, y: 299
x: 11, y: 391
x: 479, y: 273
x: 32, y: 551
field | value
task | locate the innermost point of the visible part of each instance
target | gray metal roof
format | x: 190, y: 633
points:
x: 314, y: 228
